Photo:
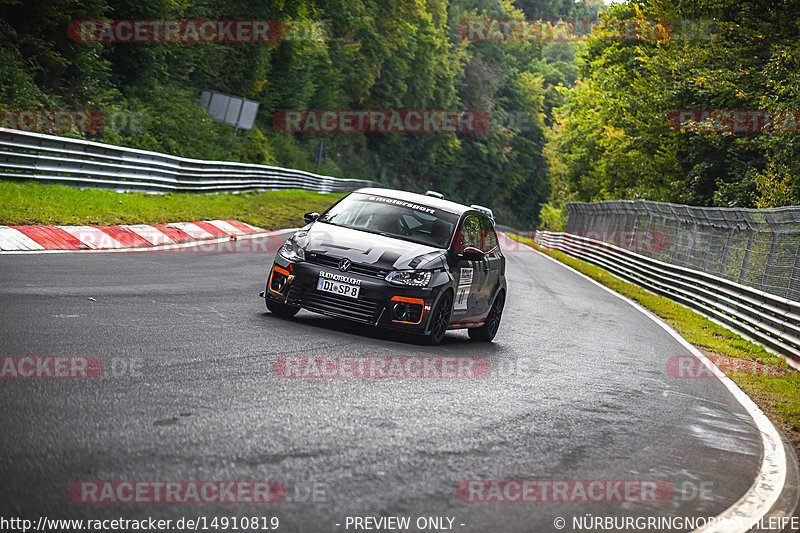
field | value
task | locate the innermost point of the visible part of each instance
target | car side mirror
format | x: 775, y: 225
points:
x: 471, y: 253
x: 310, y: 217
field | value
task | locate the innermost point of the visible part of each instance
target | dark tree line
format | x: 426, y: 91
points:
x: 365, y: 55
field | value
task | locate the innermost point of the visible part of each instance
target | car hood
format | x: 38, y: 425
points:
x: 366, y: 248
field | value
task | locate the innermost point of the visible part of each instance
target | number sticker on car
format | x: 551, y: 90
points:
x: 462, y: 292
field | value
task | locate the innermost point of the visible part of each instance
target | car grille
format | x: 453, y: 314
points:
x: 355, y: 268
x: 361, y: 310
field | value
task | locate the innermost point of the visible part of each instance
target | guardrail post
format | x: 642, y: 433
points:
x: 751, y: 235
x: 725, y: 251
x: 690, y: 245
x: 573, y: 215
x: 773, y: 245
x: 793, y: 288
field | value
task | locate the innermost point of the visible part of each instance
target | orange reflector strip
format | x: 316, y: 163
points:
x: 405, y: 299
x: 279, y: 270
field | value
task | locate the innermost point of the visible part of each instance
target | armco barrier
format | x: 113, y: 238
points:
x: 759, y: 248
x: 26, y: 155
x: 766, y: 318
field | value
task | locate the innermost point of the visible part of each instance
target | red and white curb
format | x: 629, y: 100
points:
x: 76, y: 238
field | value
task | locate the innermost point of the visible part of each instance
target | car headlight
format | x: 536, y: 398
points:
x: 292, y: 252
x: 414, y: 278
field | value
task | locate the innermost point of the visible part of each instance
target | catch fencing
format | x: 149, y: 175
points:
x: 27, y: 155
x: 759, y: 248
x: 738, y: 266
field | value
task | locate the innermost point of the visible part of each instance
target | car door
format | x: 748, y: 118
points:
x: 493, y: 261
x: 471, y: 273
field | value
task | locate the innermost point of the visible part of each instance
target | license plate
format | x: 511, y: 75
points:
x: 337, y: 287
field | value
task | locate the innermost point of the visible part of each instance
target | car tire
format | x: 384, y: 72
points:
x: 488, y: 330
x: 282, y: 310
x: 440, y: 319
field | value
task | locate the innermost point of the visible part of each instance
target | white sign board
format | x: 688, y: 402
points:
x: 231, y: 110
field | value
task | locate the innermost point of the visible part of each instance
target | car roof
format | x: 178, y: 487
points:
x: 422, y: 199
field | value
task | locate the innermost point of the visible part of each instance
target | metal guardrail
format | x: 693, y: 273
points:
x: 772, y: 320
x: 759, y: 248
x: 26, y: 155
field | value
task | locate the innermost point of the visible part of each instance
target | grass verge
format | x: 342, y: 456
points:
x: 765, y: 377
x: 31, y: 202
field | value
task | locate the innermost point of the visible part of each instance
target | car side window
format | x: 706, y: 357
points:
x: 470, y: 233
x: 489, y: 236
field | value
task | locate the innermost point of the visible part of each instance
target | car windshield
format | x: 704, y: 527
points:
x: 394, y: 218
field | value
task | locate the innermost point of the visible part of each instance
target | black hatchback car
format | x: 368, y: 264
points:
x: 400, y: 260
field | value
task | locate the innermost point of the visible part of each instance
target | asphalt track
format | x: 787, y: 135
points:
x: 578, y: 390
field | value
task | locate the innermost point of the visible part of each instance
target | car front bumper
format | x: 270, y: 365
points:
x: 379, y: 302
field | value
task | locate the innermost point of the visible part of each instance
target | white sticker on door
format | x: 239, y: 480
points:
x: 462, y: 293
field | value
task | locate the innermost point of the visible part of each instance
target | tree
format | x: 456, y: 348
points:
x: 618, y: 140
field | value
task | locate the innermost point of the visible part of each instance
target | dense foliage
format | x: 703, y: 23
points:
x: 613, y: 139
x: 361, y: 55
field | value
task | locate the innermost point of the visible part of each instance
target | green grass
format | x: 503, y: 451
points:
x: 777, y: 395
x: 29, y: 202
